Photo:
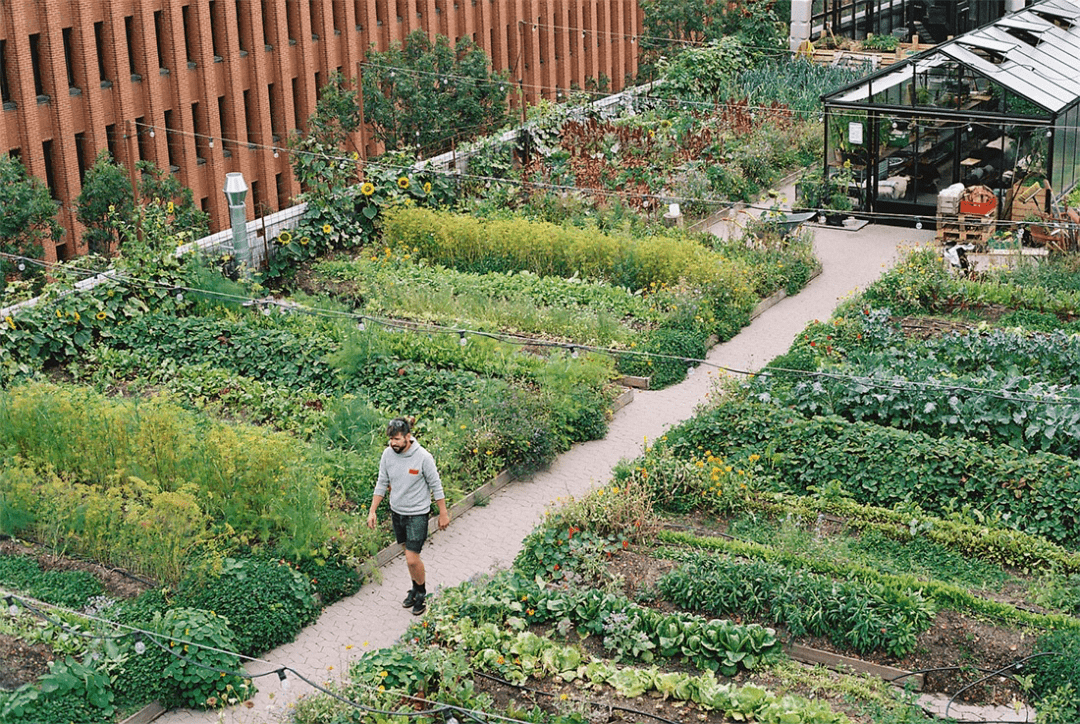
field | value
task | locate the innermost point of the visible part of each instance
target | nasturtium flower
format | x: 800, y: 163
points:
x: 367, y: 188
x: 403, y: 183
x: 76, y: 316
x: 327, y: 229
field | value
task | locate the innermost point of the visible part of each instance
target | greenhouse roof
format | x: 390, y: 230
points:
x: 1034, y: 53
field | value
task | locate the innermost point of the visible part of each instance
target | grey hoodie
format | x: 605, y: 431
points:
x: 411, y: 478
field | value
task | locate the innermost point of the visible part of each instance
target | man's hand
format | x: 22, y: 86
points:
x: 444, y: 519
x: 372, y: 521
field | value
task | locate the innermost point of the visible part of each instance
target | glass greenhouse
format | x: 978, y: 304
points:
x: 996, y: 107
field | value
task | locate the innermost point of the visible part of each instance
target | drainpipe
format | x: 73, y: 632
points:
x: 801, y: 12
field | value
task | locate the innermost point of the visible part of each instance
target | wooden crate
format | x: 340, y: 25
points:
x: 965, y: 229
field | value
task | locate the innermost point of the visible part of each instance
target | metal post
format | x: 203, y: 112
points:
x: 235, y: 193
x: 801, y: 12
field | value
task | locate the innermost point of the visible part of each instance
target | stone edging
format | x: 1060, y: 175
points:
x: 147, y: 714
x: 775, y: 299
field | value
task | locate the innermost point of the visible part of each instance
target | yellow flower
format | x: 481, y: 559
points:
x: 382, y: 688
x: 304, y: 241
x: 367, y: 188
x: 355, y: 156
x: 427, y: 187
x: 59, y: 314
x: 284, y: 237
x: 100, y: 316
x: 76, y: 316
x: 348, y: 647
x: 563, y: 697
x: 403, y: 183
x: 10, y: 320
x: 384, y: 674
x: 171, y: 207
x: 327, y: 229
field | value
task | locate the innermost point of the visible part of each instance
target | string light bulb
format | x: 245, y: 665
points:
x: 12, y: 608
x: 276, y: 154
x: 361, y: 326
x: 151, y: 133
x: 690, y: 370
x: 211, y: 142
x: 463, y: 341
x: 266, y: 310
x: 283, y: 680
x: 22, y: 266
x: 918, y: 224
x: 179, y: 297
x: 140, y: 647
x: 574, y: 352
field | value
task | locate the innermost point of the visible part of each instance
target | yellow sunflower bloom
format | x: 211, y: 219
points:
x: 284, y: 237
x: 427, y: 187
x: 327, y: 229
x: 304, y: 241
x: 10, y: 320
x: 171, y: 207
x: 101, y: 316
x: 367, y: 188
x: 403, y: 183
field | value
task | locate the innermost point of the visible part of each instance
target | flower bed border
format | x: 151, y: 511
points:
x: 843, y: 664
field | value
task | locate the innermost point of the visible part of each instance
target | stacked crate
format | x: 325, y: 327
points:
x: 966, y: 216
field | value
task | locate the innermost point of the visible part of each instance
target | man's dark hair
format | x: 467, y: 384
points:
x: 398, y: 426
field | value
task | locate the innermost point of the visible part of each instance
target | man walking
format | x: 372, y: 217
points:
x: 408, y: 471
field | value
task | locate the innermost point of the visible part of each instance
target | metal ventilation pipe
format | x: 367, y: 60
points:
x: 801, y: 12
x: 1011, y: 6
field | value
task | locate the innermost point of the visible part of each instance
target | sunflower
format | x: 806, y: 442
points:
x: 367, y: 188
x: 284, y: 237
x: 304, y: 241
x: 101, y: 316
x: 327, y: 229
x: 427, y: 187
x: 170, y: 207
x: 403, y: 183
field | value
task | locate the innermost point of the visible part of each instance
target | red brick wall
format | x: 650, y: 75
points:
x: 548, y: 46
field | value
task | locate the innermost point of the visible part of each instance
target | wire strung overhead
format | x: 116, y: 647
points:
x: 266, y: 304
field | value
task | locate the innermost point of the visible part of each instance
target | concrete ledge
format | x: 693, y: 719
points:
x: 772, y: 301
x: 639, y: 383
x: 147, y: 714
x: 624, y: 399
x: 808, y: 655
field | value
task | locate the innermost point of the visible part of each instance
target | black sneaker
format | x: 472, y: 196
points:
x: 409, y: 599
x: 418, y: 604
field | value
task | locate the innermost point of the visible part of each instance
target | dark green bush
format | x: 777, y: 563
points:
x: 265, y: 602
x: 1038, y: 494
x: 71, y: 589
x: 1055, y: 671
x: 196, y: 680
x: 332, y: 579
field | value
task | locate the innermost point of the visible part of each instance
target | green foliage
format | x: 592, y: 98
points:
x: 1032, y: 493
x: 189, y: 677
x: 265, y: 602
x: 106, y: 191
x: 71, y: 589
x: 411, y: 89
x: 552, y: 552
x: 1059, y: 669
x: 702, y: 73
x: 70, y: 691
x: 756, y: 24
x: 863, y: 617
x: 249, y: 482
x: 331, y: 578
x: 677, y: 347
x: 29, y: 216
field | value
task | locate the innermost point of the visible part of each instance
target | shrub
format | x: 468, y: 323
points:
x: 1034, y: 493
x: 331, y: 578
x: 197, y: 681
x: 265, y: 602
x: 1058, y: 670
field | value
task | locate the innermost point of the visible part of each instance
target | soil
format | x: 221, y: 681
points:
x: 924, y: 328
x: 118, y: 584
x: 962, y: 647
x: 21, y: 662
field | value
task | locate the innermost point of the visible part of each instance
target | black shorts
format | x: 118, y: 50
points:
x: 410, y: 530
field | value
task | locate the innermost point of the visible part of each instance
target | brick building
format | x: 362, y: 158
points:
x: 231, y: 78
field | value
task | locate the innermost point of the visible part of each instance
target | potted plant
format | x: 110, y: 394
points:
x: 835, y: 199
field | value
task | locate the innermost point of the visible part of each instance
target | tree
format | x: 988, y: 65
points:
x: 158, y: 187
x: 106, y: 191
x: 321, y: 161
x: 413, y: 92
x: 28, y: 217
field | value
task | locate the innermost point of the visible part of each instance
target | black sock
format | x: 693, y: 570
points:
x: 420, y: 588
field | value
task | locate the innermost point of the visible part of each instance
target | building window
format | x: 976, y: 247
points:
x: 314, y: 22
x: 249, y: 120
x: 35, y: 61
x: 99, y: 44
x: 215, y: 31
x: 110, y: 140
x: 69, y: 58
x: 80, y: 155
x: 202, y: 148
x: 292, y: 18
x: 267, y: 26
x: 241, y: 27
x: 146, y: 151
x: 318, y: 86
x: 257, y: 199
x: 5, y: 88
x: 50, y: 172
x: 227, y: 138
x: 172, y: 142
x: 185, y: 17
x: 337, y: 16
x: 296, y: 103
x: 159, y: 38
x: 275, y: 111
x: 129, y: 34
x: 279, y: 185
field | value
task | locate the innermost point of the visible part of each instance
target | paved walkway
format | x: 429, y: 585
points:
x: 489, y: 537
